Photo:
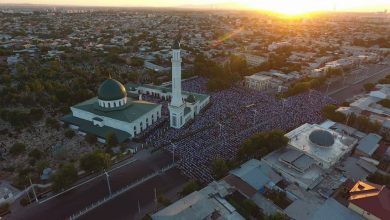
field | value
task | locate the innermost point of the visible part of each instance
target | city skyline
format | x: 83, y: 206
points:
x: 278, y: 6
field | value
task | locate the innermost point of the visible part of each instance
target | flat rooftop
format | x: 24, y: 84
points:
x: 323, y: 145
x: 259, y: 77
x: 307, y: 178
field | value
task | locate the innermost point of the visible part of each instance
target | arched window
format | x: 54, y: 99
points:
x: 152, y: 118
x: 135, y: 130
x: 109, y: 105
x: 147, y: 122
x: 114, y: 104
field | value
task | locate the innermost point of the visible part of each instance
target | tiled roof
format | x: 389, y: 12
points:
x: 372, y: 198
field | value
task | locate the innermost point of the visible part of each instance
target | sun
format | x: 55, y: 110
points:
x: 288, y: 7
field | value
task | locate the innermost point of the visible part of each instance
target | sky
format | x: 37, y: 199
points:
x: 283, y: 6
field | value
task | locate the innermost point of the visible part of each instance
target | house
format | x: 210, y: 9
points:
x: 370, y: 200
x: 368, y: 145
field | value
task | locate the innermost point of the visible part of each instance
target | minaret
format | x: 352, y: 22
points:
x: 176, y: 107
x: 177, y: 99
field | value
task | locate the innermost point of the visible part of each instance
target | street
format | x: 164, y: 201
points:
x: 343, y: 89
x: 126, y: 206
x: 64, y: 205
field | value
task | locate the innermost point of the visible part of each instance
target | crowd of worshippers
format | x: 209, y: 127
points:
x: 232, y: 115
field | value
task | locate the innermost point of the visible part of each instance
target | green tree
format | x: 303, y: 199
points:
x: 190, y: 187
x: 41, y: 165
x: 219, y: 168
x: 17, y: 149
x: 91, y: 138
x: 369, y: 86
x: 95, y: 161
x: 36, y: 154
x: 36, y: 114
x: 330, y: 112
x: 52, y: 123
x: 262, y: 143
x: 69, y: 133
x: 111, y: 139
x: 64, y: 177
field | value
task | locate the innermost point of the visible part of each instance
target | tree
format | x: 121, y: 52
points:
x: 277, y: 216
x: 91, y: 138
x: 190, y: 187
x: 95, y: 161
x: 163, y: 200
x: 137, y: 62
x: 369, y: 86
x: 41, y: 165
x: 69, y: 133
x: 64, y: 177
x: 219, y: 168
x: 334, y: 71
x: 262, y: 143
x: 52, y: 123
x: 17, y: 149
x: 111, y: 139
x: 24, y: 201
x: 36, y: 154
x: 36, y: 114
x: 329, y: 111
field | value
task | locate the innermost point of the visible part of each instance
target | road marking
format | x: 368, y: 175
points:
x: 120, y: 192
x: 87, y: 181
x: 357, y: 82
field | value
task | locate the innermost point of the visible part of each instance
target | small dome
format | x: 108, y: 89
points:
x: 321, y: 138
x: 111, y: 89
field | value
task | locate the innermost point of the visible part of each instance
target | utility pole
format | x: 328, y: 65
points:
x: 327, y: 88
x: 155, y: 197
x: 108, y: 182
x: 28, y: 193
x: 220, y: 129
x: 35, y: 195
x: 173, y: 152
x: 254, y: 116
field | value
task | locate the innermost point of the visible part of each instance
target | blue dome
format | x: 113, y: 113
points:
x: 321, y: 138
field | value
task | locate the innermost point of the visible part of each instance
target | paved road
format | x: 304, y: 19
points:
x: 343, y: 89
x: 63, y: 206
x: 125, y: 206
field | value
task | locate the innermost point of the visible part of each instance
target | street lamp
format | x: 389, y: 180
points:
x: 220, y: 129
x: 254, y: 116
x: 173, y: 152
x: 35, y: 195
x: 327, y: 88
x: 108, y: 182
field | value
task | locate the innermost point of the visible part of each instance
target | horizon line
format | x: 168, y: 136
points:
x: 203, y: 7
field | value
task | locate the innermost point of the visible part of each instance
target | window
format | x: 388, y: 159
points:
x: 174, y: 124
x: 109, y: 105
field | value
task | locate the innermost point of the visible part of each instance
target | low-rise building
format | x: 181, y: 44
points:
x: 312, y: 151
x: 374, y: 105
x: 258, y: 82
x: 370, y: 200
x: 207, y: 203
x: 368, y: 145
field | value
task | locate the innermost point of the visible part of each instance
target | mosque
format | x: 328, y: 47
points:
x: 114, y: 111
